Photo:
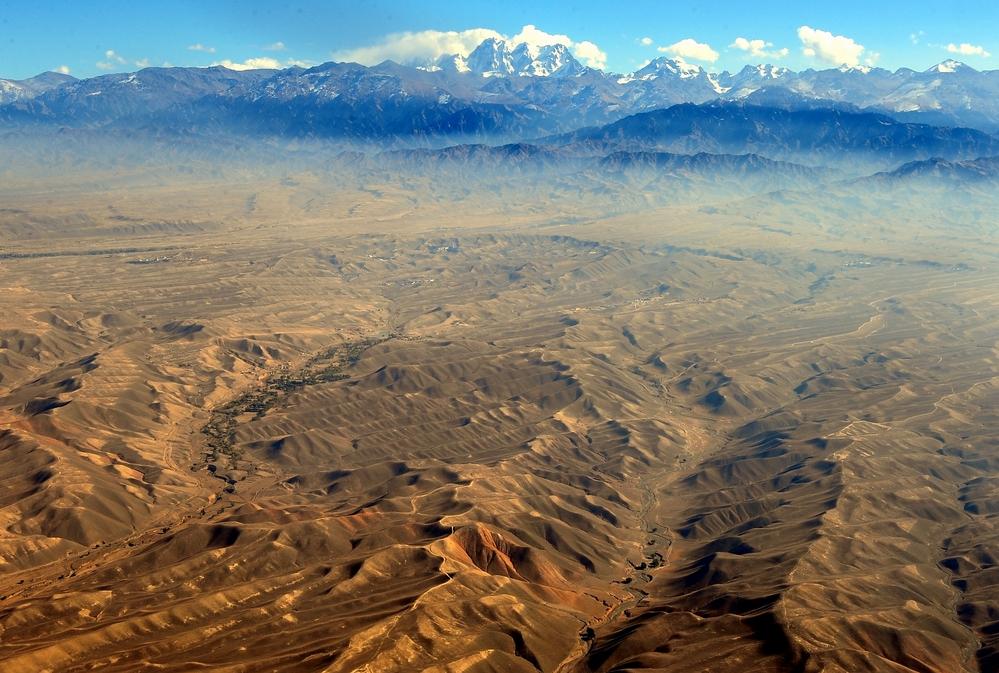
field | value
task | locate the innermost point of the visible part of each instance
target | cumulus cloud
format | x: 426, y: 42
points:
x: 261, y: 63
x: 834, y: 49
x: 426, y: 45
x: 64, y: 69
x: 646, y: 41
x: 534, y: 36
x: 586, y: 51
x: 965, y: 49
x: 111, y: 60
x: 275, y: 46
x: 590, y: 54
x: 758, y: 48
x: 690, y: 48
x: 201, y: 47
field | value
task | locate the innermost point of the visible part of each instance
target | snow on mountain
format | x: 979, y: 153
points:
x: 669, y: 67
x: 751, y: 78
x: 492, y: 57
x: 10, y: 91
x: 553, y: 59
x: 715, y: 84
x: 500, y: 83
x: 450, y: 63
x: 498, y: 58
x: 26, y: 89
x: 949, y: 93
x: 949, y: 66
x: 672, y: 80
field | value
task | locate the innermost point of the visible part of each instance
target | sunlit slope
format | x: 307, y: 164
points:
x: 302, y: 427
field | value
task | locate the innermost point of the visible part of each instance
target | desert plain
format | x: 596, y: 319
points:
x: 299, y: 423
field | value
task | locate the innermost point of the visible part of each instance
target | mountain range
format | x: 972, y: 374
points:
x: 984, y: 170
x: 824, y: 136
x: 12, y: 90
x: 499, y: 92
x: 498, y: 58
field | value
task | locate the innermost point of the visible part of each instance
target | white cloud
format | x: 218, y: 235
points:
x: 201, y: 47
x: 586, y: 51
x: 275, y: 46
x: 646, y: 41
x: 64, y: 69
x: 261, y: 63
x: 423, y: 46
x: 917, y: 36
x: 872, y: 58
x: 426, y: 45
x: 690, y: 48
x: 965, y: 49
x: 590, y: 54
x: 142, y: 63
x: 111, y: 60
x: 834, y: 49
x: 536, y: 37
x: 758, y: 48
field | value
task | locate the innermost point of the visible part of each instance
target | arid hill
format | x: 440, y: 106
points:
x: 316, y: 424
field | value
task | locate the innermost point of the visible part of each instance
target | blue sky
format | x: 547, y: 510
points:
x: 90, y: 38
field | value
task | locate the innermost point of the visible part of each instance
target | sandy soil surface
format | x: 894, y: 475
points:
x: 296, y: 426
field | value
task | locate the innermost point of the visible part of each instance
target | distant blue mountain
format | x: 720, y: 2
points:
x: 981, y: 170
x: 817, y: 134
x: 503, y: 92
x: 12, y: 90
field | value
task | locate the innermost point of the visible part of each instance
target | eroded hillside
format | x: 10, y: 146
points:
x: 295, y: 426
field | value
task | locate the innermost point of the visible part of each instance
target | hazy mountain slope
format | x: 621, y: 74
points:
x: 985, y: 169
x: 809, y: 135
x: 12, y: 91
x: 539, y: 90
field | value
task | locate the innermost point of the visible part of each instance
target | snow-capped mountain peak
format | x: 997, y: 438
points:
x: 15, y: 90
x: 496, y: 57
x: 950, y: 65
x: 492, y: 57
x: 754, y: 76
x: 535, y: 84
x: 768, y: 71
x: 668, y: 67
x: 545, y: 60
x: 451, y: 63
